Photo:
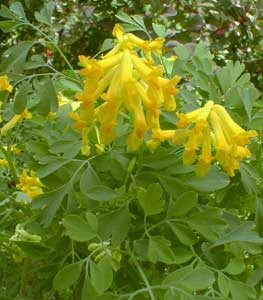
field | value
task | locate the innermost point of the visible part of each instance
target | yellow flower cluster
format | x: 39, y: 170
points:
x: 4, y: 84
x: 30, y: 184
x: 208, y: 133
x: 124, y: 80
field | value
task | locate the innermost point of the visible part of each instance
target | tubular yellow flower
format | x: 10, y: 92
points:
x: 124, y: 80
x: 30, y: 184
x: 159, y: 136
x: 4, y: 84
x: 239, y: 134
x: 118, y: 32
x: 12, y: 123
x: 85, y: 149
x: 203, y: 166
x: 213, y: 130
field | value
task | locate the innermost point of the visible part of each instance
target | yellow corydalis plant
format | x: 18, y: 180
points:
x: 123, y: 79
x: 30, y: 184
x: 208, y: 134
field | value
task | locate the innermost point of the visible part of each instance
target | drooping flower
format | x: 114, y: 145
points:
x: 30, y: 184
x: 208, y: 134
x: 4, y: 84
x: 12, y: 123
x: 123, y: 79
x: 213, y: 135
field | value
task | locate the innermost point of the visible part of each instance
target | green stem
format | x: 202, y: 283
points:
x: 24, y: 277
x: 72, y: 252
x: 140, y: 270
x: 55, y: 45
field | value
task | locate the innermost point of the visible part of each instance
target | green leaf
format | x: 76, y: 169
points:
x: 151, y: 199
x: 88, y: 179
x: 7, y: 26
x: 101, y: 193
x: 159, y: 29
x: 182, y: 52
x: 118, y: 165
x: 138, y: 19
x: 255, y: 277
x: 241, y: 291
x: 159, y: 250
x: 228, y: 75
x: 183, y: 204
x: 160, y: 159
x: 107, y: 45
x: 45, y: 14
x: 173, y: 186
x: 47, y: 97
x: 223, y: 284
x: 52, y: 167
x: 248, y: 95
x: 141, y: 249
x: 34, y: 250
x: 101, y: 274
x: 211, y: 182
x: 6, y: 13
x: 79, y: 229
x: 241, y: 233
x: 235, y: 267
x: 52, y: 202
x: 115, y: 225
x: 15, y: 57
x: 124, y: 17
x: 36, y: 61
x: 17, y: 9
x: 249, y: 178
x: 184, y: 234
x: 182, y: 255
x: 208, y: 223
x: 191, y: 279
x: 21, y: 98
x: 67, y: 276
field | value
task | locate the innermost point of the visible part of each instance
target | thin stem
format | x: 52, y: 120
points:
x: 29, y: 77
x: 72, y: 252
x: 140, y: 270
x: 55, y: 45
x: 145, y: 226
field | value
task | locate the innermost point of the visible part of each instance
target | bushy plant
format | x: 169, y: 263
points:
x: 137, y: 175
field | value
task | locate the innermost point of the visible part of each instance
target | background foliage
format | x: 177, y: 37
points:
x: 121, y: 225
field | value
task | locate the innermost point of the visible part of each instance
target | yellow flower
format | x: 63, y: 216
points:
x: 205, y: 159
x: 123, y: 80
x: 158, y: 136
x: 30, y: 184
x: 3, y: 162
x: 4, y: 84
x: 212, y: 130
x: 12, y: 123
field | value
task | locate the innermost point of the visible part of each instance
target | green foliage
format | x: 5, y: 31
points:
x: 117, y: 225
